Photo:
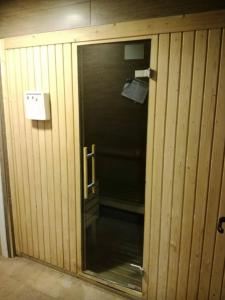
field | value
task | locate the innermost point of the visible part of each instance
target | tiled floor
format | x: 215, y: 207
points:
x: 23, y: 279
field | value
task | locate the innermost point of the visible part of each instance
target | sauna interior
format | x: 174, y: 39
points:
x: 117, y: 127
x: 112, y: 138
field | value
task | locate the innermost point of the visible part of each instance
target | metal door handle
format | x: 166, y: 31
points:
x: 220, y: 225
x: 87, y: 185
x: 139, y: 268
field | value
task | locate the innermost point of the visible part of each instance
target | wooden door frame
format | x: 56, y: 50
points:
x: 153, y: 40
x: 6, y: 223
x: 3, y: 232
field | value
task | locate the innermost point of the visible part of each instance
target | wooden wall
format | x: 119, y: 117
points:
x: 187, y: 165
x: 41, y: 155
x: 29, y: 16
x: 185, y: 171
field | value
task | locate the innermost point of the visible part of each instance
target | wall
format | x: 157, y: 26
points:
x: 25, y: 17
x: 185, y: 170
x: 41, y: 155
x: 187, y: 160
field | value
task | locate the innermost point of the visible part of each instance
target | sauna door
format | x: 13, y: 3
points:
x: 113, y: 155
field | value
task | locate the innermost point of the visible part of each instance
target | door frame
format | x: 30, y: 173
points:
x: 149, y: 150
x: 3, y: 231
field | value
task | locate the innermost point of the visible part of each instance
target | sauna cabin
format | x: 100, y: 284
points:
x: 113, y: 138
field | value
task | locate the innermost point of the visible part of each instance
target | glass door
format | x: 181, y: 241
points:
x: 113, y: 110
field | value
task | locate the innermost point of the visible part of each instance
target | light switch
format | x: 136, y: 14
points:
x: 37, y: 105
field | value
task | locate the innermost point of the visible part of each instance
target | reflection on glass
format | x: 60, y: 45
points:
x: 113, y: 213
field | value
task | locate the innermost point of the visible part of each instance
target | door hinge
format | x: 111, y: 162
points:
x: 143, y: 73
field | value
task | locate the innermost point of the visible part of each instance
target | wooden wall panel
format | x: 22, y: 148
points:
x: 43, y: 155
x: 188, y: 147
x: 160, y: 109
x: 168, y: 159
x: 204, y: 157
x: 186, y: 141
x: 219, y: 251
x: 179, y: 160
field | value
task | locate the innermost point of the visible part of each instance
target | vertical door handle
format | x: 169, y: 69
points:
x: 86, y: 156
x: 220, y: 225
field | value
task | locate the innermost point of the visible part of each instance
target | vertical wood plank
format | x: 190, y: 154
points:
x: 179, y: 163
x: 67, y: 57
x: 43, y: 77
x: 9, y: 135
x: 32, y: 232
x: 208, y: 112
x: 63, y: 152
x: 215, y: 167
x: 191, y: 160
x: 49, y: 162
x: 168, y: 161
x: 161, y: 96
x: 28, y: 82
x: 223, y: 286
x: 23, y: 148
x: 17, y: 153
x: 219, y: 252
x: 37, y: 157
x: 216, y: 283
x: 56, y: 153
x: 149, y: 166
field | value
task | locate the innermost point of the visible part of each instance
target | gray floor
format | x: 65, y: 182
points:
x: 23, y: 279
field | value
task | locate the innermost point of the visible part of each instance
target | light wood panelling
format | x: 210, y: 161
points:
x: 160, y: 111
x: 168, y: 160
x: 204, y: 156
x: 219, y: 251
x: 215, y: 104
x: 150, y: 155
x: 184, y: 185
x: 218, y: 271
x: 189, y: 137
x: 43, y: 155
x: 179, y: 161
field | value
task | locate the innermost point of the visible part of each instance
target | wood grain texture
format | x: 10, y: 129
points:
x: 204, y: 156
x: 191, y: 160
x: 47, y: 225
x: 160, y: 111
x: 219, y: 251
x: 150, y: 155
x: 179, y: 163
x: 216, y: 167
x: 185, y: 169
x: 185, y: 250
